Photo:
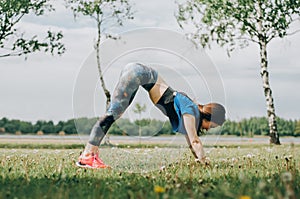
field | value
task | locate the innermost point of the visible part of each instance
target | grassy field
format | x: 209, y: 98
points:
x: 249, y: 171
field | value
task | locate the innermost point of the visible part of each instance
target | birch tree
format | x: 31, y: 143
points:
x: 235, y: 23
x: 106, y: 14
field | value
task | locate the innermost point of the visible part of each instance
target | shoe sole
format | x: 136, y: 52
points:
x: 90, y: 167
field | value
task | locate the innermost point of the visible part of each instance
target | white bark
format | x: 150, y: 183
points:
x: 97, y: 47
x: 274, y: 137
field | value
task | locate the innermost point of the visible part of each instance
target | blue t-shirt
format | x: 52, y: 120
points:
x: 184, y: 105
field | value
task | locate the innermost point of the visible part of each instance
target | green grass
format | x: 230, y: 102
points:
x: 131, y: 145
x: 254, y: 171
x: 39, y: 146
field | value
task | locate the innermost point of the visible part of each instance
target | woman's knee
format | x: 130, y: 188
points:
x: 105, y: 122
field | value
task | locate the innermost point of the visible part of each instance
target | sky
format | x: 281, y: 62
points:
x: 46, y: 87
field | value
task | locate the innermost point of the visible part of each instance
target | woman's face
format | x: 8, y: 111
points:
x: 208, y: 124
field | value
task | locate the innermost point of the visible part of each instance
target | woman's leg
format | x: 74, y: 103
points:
x: 132, y: 76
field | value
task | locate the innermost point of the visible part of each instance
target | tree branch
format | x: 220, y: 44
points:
x: 271, y: 37
x: 93, y: 17
x: 250, y: 25
x: 8, y: 26
x: 4, y: 29
x: 249, y: 39
x: 17, y: 20
x: 14, y: 54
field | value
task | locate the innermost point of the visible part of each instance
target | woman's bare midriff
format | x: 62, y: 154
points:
x: 158, y: 90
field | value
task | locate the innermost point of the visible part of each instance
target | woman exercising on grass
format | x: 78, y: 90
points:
x: 185, y: 116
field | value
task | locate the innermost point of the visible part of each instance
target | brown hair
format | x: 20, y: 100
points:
x: 213, y: 112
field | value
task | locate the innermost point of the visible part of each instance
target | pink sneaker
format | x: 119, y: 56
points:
x: 91, y: 161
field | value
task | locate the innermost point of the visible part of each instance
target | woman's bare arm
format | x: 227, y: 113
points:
x: 192, y: 138
x: 190, y: 146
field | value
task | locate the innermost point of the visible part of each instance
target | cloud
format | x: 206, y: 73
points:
x: 42, y: 87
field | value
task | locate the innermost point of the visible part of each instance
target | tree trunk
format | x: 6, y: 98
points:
x: 262, y: 38
x: 106, y: 92
x: 274, y: 137
x: 97, y: 46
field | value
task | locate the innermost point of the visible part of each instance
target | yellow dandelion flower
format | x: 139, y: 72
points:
x: 159, y: 189
x: 244, y: 197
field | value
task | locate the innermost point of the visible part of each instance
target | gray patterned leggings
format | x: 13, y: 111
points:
x: 132, y: 76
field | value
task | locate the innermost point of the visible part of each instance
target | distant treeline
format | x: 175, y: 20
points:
x: 259, y: 126
x: 147, y: 127
x: 83, y: 126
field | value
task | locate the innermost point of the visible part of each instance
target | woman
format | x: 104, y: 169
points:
x: 185, y: 116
